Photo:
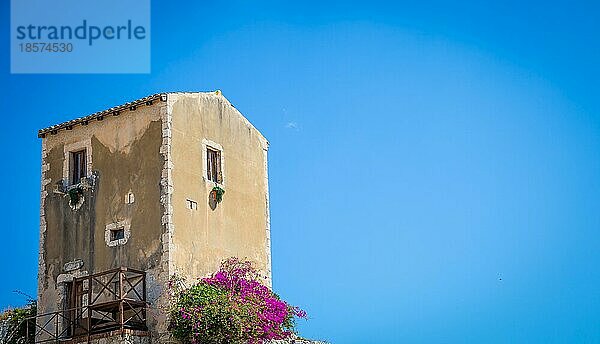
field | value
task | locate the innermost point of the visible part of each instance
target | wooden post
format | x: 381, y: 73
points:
x: 121, y: 316
x: 72, y: 306
x: 56, y: 320
x: 144, y: 298
x: 89, y: 309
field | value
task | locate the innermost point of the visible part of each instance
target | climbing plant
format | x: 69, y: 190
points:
x: 230, y: 306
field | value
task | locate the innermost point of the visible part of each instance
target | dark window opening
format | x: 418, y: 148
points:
x: 78, y: 166
x: 117, y: 234
x: 213, y: 165
x: 73, y: 308
x: 74, y: 295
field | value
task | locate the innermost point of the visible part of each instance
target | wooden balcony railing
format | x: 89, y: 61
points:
x: 113, y: 300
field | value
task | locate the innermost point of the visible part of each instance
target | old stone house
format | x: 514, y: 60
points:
x: 132, y: 195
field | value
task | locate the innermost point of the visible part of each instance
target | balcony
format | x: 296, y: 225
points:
x: 107, y: 303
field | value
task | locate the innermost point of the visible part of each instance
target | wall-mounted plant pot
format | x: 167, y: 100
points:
x: 217, y: 194
x: 75, y: 197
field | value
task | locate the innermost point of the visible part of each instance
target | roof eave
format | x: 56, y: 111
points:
x: 113, y: 111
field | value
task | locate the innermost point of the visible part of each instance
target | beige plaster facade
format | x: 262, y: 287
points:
x: 146, y: 169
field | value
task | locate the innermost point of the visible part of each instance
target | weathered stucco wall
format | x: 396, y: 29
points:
x: 126, y: 158
x: 146, y: 164
x: 239, y: 225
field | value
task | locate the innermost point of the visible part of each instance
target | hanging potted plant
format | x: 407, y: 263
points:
x: 217, y: 193
x: 75, y: 194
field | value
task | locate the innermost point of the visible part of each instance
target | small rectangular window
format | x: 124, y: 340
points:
x: 117, y: 234
x: 213, y: 165
x: 78, y: 166
x: 192, y: 204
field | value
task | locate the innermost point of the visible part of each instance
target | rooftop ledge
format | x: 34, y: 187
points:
x: 113, y: 111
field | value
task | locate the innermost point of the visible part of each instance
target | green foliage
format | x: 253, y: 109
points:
x: 74, y: 195
x: 221, y: 324
x: 218, y: 192
x: 16, y: 324
x: 231, y: 306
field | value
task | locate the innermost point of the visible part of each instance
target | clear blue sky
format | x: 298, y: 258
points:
x: 434, y: 168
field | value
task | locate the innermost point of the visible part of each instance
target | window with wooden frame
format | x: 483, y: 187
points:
x: 74, y: 316
x: 75, y: 294
x: 214, y: 171
x: 78, y: 166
